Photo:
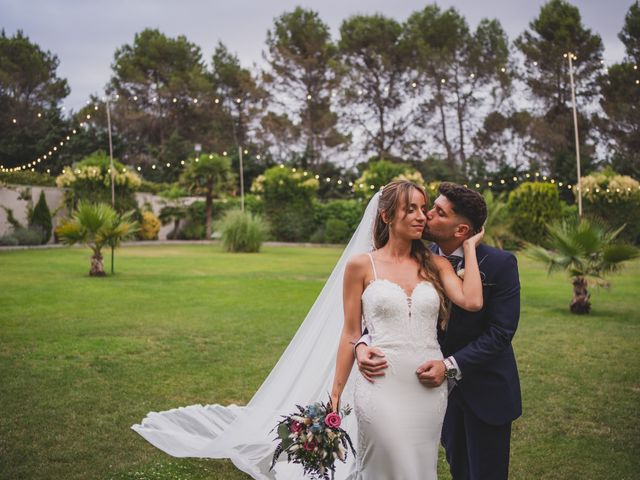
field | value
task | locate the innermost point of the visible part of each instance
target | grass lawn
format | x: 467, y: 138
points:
x: 82, y: 359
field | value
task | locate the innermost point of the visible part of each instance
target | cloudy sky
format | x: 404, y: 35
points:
x: 85, y: 33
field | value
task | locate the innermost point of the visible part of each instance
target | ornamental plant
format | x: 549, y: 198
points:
x: 614, y: 199
x: 288, y: 196
x: 90, y: 180
x: 587, y: 250
x: 381, y: 172
x: 531, y: 206
x: 242, y: 231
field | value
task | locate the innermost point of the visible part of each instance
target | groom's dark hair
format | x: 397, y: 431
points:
x: 466, y: 202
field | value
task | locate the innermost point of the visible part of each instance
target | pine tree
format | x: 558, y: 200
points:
x: 41, y: 218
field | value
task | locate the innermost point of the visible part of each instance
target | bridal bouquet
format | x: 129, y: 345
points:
x: 313, y: 438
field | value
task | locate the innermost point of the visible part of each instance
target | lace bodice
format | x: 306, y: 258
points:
x: 395, y: 320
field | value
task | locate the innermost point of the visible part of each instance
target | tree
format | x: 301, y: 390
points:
x: 243, y: 97
x: 41, y: 218
x: 244, y: 101
x: 303, y: 66
x: 461, y: 75
x: 30, y: 94
x: 620, y: 100
x: 209, y: 175
x: 96, y: 225
x: 584, y: 249
x: 162, y: 87
x: 374, y: 91
x: 556, y: 32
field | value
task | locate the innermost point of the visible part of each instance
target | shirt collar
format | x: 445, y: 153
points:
x: 459, y: 252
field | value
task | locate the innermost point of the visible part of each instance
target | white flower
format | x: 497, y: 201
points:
x: 460, y: 273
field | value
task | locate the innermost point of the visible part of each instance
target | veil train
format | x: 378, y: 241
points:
x: 303, y: 375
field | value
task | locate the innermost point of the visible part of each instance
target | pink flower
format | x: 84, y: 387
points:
x: 295, y: 427
x: 309, y: 446
x: 332, y: 420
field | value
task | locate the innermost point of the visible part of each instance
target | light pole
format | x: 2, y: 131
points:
x: 111, y: 167
x: 112, y: 170
x: 571, y: 57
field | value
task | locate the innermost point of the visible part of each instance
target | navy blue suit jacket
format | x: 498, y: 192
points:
x: 481, y: 341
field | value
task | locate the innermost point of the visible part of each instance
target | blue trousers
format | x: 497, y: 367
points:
x: 475, y: 450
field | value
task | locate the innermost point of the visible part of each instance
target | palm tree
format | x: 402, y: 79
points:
x: 208, y: 175
x: 585, y: 249
x: 97, y: 225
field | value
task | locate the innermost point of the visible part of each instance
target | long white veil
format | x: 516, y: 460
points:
x: 303, y: 375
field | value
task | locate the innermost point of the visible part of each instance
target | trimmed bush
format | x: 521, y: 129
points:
x: 149, y: 226
x: 25, y: 177
x: 288, y: 202
x: 336, y: 220
x: 531, y: 206
x: 28, y: 236
x: 8, y: 241
x: 90, y: 180
x: 337, y: 231
x: 614, y: 199
x: 380, y: 173
x: 242, y: 231
x: 41, y: 218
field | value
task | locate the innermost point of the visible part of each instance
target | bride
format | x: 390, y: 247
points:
x: 399, y: 293
x: 304, y: 373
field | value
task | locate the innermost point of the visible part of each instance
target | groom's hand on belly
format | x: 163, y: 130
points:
x: 371, y: 361
x: 431, y: 373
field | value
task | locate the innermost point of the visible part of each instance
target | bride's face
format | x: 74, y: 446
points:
x: 409, y: 220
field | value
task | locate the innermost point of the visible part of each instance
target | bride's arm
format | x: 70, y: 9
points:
x: 467, y: 293
x: 353, y: 287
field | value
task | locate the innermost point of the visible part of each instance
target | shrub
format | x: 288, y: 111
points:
x: 337, y: 231
x: 90, y: 180
x: 8, y: 241
x: 149, y: 226
x: 28, y: 236
x: 614, y: 199
x: 336, y: 220
x: 531, y: 206
x: 382, y: 172
x: 288, y: 202
x: 28, y: 178
x: 242, y: 231
x: 41, y: 218
x: 194, y: 227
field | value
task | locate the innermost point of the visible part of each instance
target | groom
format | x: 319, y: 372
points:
x: 479, y: 362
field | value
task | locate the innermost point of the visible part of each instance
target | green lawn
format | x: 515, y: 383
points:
x: 82, y: 359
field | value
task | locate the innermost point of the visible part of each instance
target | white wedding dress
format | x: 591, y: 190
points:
x: 404, y: 412
x: 399, y: 419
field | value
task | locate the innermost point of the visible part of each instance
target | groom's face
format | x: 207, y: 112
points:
x: 443, y: 224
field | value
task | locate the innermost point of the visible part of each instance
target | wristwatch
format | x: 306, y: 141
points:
x: 449, y: 370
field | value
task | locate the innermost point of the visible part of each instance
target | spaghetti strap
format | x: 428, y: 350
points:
x: 373, y: 265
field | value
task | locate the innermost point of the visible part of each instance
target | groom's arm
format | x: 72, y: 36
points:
x: 503, y: 312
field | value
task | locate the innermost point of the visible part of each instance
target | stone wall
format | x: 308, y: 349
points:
x: 10, y: 198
